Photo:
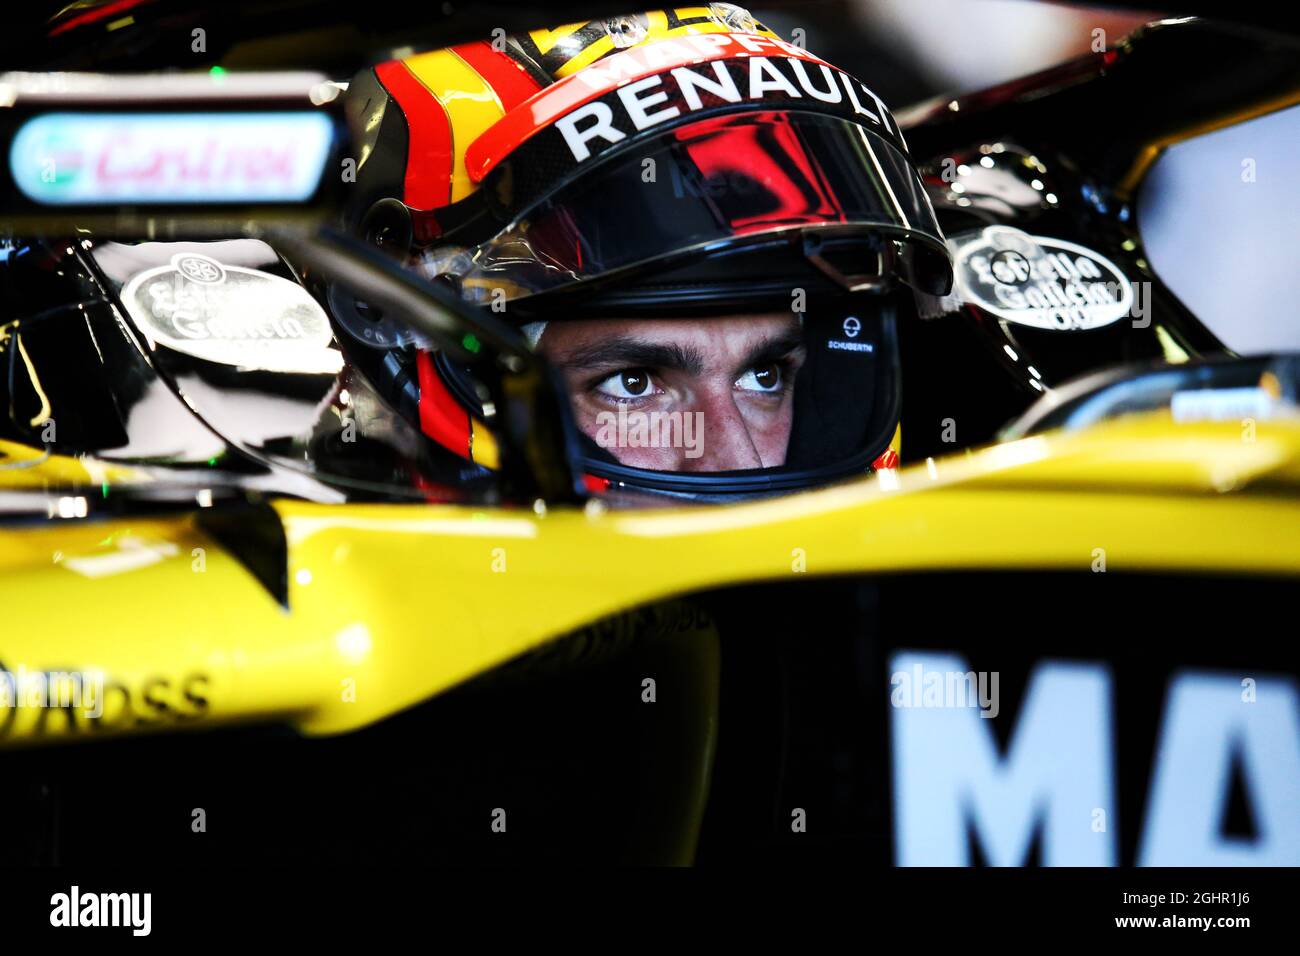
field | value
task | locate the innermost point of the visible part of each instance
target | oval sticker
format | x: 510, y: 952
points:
x: 232, y: 315
x: 1040, y: 281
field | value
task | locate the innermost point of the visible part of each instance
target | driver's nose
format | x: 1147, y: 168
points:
x: 725, y: 443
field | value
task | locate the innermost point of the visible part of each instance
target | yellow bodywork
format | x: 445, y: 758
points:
x: 22, y: 466
x: 389, y: 605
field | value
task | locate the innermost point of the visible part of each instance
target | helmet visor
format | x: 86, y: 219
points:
x: 705, y: 187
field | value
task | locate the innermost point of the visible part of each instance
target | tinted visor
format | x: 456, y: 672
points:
x: 710, y: 186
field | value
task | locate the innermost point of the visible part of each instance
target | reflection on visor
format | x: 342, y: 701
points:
x: 710, y: 184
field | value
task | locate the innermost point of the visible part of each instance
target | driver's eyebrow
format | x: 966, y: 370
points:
x: 777, y: 347
x: 633, y: 353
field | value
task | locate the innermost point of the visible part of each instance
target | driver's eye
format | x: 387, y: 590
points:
x: 761, y: 378
x: 630, y: 383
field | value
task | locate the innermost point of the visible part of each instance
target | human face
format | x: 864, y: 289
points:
x: 707, y: 394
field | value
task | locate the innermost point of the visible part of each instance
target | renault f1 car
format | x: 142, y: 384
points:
x: 252, y: 615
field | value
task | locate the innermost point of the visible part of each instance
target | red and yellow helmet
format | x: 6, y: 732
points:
x: 684, y: 163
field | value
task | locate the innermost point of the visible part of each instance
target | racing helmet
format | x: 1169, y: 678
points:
x: 710, y: 231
